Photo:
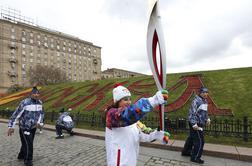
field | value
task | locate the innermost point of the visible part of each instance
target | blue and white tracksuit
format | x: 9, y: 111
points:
x: 197, y: 115
x: 64, y: 122
x: 29, y: 113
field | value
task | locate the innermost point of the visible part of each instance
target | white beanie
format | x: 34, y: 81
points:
x: 120, y: 92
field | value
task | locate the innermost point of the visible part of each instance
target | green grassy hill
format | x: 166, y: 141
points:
x: 228, y: 88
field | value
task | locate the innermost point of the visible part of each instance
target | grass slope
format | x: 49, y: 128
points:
x: 228, y: 88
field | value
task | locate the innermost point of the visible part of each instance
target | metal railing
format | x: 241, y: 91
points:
x: 231, y: 127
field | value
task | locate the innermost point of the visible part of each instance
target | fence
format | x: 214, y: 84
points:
x: 231, y: 127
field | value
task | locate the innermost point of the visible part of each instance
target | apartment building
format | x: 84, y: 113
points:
x: 119, y: 73
x: 24, y: 45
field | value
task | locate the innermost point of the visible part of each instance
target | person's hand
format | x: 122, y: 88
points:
x: 159, y: 98
x: 163, y: 136
x: 196, y: 127
x: 166, y: 137
x: 10, y: 131
x: 40, y: 125
x: 208, y: 122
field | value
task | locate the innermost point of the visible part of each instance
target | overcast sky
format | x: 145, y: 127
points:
x: 199, y: 34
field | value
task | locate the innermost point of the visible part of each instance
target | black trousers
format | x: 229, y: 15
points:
x: 59, y: 129
x: 194, y: 144
x: 26, y: 137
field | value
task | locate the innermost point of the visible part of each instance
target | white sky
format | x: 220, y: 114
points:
x: 199, y: 34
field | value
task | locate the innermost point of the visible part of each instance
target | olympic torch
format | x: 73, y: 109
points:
x: 155, y: 39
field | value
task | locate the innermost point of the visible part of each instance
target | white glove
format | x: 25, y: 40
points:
x: 157, y: 99
x: 163, y: 136
x: 208, y: 121
x: 196, y: 127
x: 40, y: 125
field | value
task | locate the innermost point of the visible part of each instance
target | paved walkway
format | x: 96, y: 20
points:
x: 87, y: 151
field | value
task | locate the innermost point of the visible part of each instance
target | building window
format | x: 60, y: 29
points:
x: 45, y: 44
x: 23, y: 39
x: 12, y: 51
x: 23, y: 33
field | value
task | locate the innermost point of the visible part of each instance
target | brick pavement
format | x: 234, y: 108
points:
x: 86, y: 151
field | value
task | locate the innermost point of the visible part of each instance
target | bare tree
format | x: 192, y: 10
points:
x: 44, y: 75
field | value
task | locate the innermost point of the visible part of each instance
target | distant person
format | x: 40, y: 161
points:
x: 123, y: 136
x: 41, y: 129
x: 198, y: 118
x: 64, y: 122
x: 30, y: 115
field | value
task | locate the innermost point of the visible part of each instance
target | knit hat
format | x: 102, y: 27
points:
x: 120, y: 92
x: 35, y: 90
x: 203, y: 90
x: 62, y: 110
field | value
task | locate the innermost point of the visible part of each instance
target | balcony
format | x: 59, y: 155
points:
x: 95, y: 61
x: 12, y: 60
x: 12, y: 74
x: 11, y: 46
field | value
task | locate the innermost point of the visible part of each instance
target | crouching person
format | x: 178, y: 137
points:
x: 64, y: 122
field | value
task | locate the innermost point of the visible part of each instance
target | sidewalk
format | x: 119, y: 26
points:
x: 222, y: 151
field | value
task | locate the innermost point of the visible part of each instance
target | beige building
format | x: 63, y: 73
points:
x: 119, y: 73
x: 24, y: 45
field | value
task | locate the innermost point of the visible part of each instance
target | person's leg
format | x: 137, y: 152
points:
x: 40, y: 130
x: 201, y: 133
x: 188, y: 145
x: 70, y: 131
x: 28, y: 148
x: 59, y: 131
x: 21, y: 152
x: 197, y: 147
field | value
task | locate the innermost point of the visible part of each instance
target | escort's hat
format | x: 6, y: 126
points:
x: 35, y: 90
x: 203, y: 90
x: 62, y: 110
